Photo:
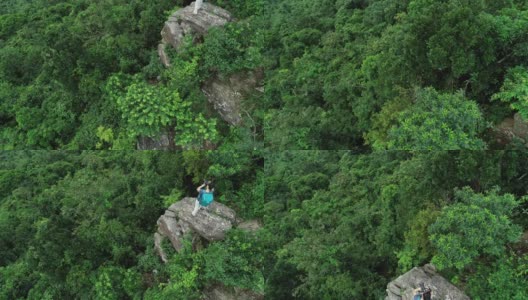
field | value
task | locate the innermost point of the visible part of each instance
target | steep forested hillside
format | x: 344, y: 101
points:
x: 86, y: 75
x: 80, y: 224
x: 333, y: 155
x: 387, y: 74
x: 337, y: 225
x: 394, y: 74
x: 347, y: 223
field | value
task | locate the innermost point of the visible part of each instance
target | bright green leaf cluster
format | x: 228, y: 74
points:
x: 438, y: 121
x: 147, y: 109
x: 479, y: 224
x: 515, y: 90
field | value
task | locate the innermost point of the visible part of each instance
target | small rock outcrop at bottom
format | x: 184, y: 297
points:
x: 210, y: 224
x: 441, y: 289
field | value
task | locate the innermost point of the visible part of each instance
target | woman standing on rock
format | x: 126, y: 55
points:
x: 205, y: 196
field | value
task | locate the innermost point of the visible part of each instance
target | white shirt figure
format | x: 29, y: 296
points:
x: 197, y: 6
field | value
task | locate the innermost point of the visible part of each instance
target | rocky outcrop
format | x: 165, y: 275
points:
x: 402, y: 287
x: 209, y: 224
x: 159, y: 248
x: 227, y: 94
x: 184, y: 23
x: 177, y: 222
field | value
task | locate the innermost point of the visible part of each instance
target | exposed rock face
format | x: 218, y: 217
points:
x: 503, y: 133
x: 227, y: 94
x: 221, y: 292
x: 210, y: 224
x: 163, y: 56
x: 520, y: 127
x: 184, y: 23
x: 402, y: 287
x: 159, y: 249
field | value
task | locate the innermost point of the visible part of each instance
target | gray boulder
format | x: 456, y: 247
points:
x: 163, y: 55
x: 402, y: 287
x: 503, y: 132
x: 211, y: 223
x: 177, y: 222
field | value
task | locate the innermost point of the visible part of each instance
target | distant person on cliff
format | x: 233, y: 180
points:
x: 205, y: 196
x: 197, y: 6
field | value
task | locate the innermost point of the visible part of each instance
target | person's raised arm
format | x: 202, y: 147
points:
x: 200, y: 187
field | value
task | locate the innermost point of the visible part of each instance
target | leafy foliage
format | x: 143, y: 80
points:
x: 381, y: 214
x: 515, y: 89
x: 230, y: 48
x: 437, y: 122
x: 80, y: 225
x: 341, y: 71
x: 505, y: 278
x: 478, y: 225
x: 147, y: 109
x: 237, y: 262
x: 339, y: 75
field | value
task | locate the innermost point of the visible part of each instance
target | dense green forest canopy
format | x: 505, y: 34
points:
x: 339, y: 74
x: 337, y: 224
x: 348, y: 223
x: 374, y: 76
x: 86, y: 75
x: 349, y: 73
x: 80, y: 224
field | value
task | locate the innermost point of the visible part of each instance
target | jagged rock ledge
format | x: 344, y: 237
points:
x: 177, y: 222
x: 221, y: 292
x: 226, y: 94
x: 402, y: 287
x: 211, y: 225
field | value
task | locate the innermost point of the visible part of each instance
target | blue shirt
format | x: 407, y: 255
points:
x: 205, y: 198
